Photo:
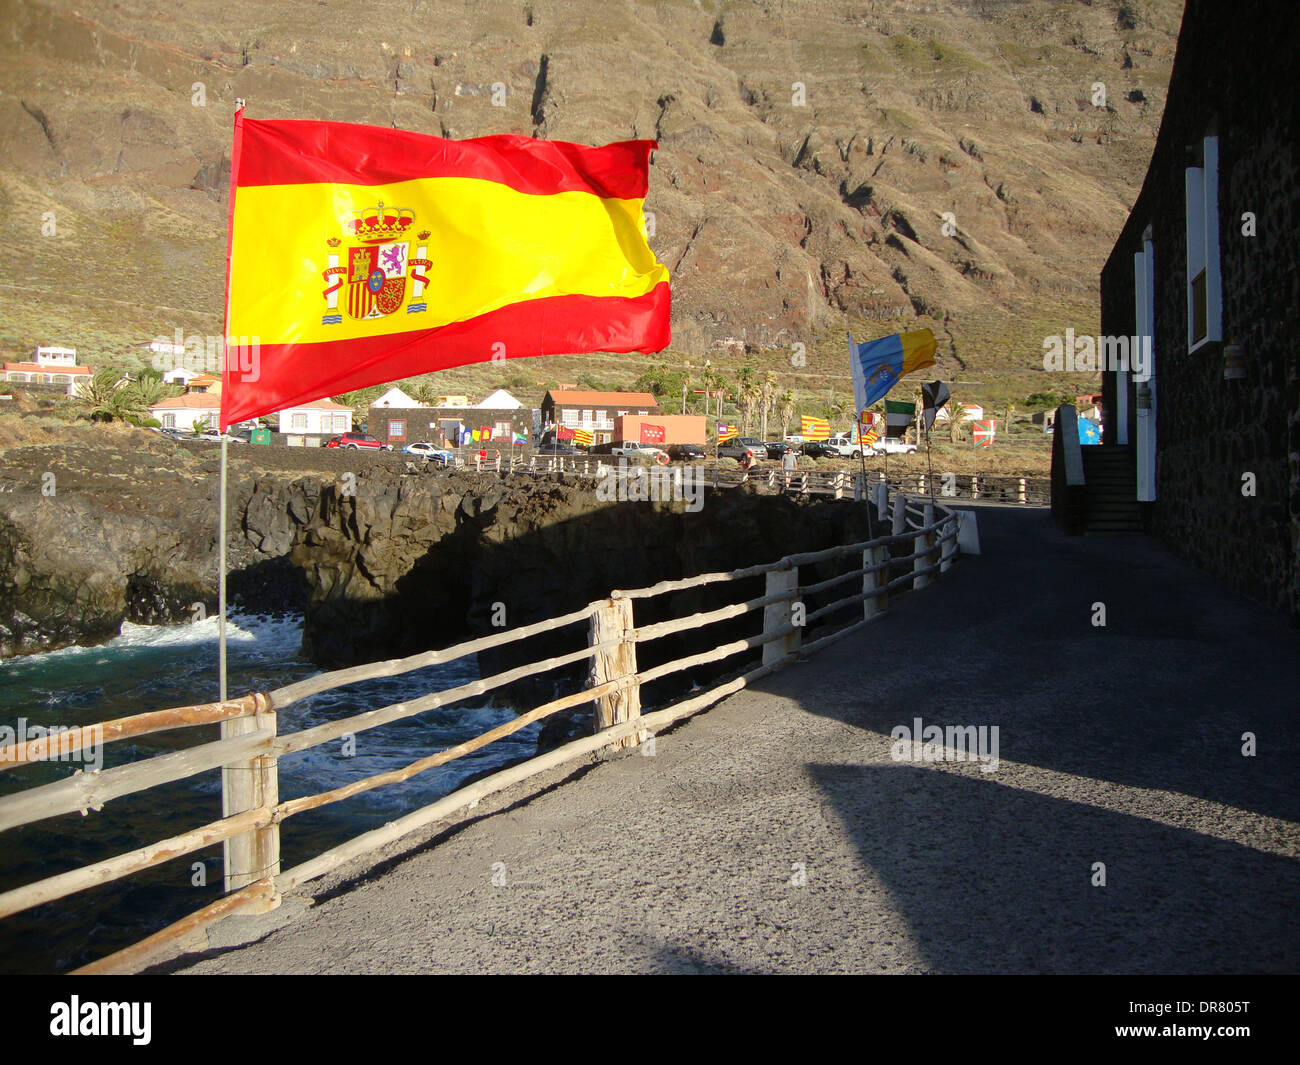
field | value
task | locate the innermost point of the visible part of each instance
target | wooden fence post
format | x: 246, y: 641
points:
x: 778, y: 615
x: 949, y: 546
x: 900, y: 514
x: 612, y: 620
x: 974, y: 486
x: 879, y: 603
x: 923, y: 549
x: 1022, y: 489
x: 250, y: 785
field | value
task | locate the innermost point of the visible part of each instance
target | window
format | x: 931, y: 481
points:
x: 1145, y: 302
x: 502, y: 429
x: 568, y: 416
x: 298, y: 422
x: 1204, y: 292
x: 169, y: 421
x: 340, y: 423
x: 586, y: 417
x: 396, y: 429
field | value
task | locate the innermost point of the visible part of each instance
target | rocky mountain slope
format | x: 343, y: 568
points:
x: 820, y: 163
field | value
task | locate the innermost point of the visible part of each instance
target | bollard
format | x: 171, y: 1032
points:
x: 251, y: 785
x: 613, y: 621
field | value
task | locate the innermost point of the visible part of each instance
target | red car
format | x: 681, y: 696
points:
x: 353, y: 441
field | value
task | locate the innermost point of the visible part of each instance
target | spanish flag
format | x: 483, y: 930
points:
x: 814, y: 428
x: 360, y: 255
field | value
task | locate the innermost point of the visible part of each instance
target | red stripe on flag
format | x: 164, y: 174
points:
x: 553, y: 326
x: 295, y: 152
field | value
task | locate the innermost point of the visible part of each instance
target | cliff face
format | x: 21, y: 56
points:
x: 103, y: 527
x: 878, y: 159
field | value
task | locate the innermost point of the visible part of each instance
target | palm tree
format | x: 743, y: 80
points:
x: 840, y: 408
x: 747, y: 394
x: 767, y: 398
x: 955, y: 414
x: 785, y: 411
x: 103, y: 395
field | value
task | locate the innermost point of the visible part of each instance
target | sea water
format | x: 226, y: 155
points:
x: 154, y: 667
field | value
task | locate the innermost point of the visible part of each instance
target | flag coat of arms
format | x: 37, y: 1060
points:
x: 726, y: 432
x: 359, y: 255
x: 878, y: 364
x: 898, y: 416
x: 814, y: 428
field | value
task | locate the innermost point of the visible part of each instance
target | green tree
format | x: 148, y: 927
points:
x: 785, y: 411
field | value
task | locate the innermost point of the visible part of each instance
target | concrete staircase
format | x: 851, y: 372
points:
x: 1110, y: 490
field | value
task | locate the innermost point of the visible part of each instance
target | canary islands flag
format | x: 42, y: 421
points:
x: 878, y: 364
x: 358, y: 255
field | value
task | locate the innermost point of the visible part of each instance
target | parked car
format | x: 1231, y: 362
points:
x: 543, y: 450
x: 845, y: 446
x: 355, y: 441
x: 632, y: 449
x: 817, y: 449
x: 886, y: 446
x: 430, y: 452
x: 776, y: 449
x: 214, y: 437
x: 686, y: 452
x: 740, y: 446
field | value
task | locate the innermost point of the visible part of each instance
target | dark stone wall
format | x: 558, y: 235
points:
x: 1232, y: 78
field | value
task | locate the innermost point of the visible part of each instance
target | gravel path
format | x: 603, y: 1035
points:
x: 777, y: 833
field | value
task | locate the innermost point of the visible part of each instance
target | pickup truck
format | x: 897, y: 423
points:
x: 740, y: 446
x: 886, y: 446
x: 632, y: 449
x: 844, y: 446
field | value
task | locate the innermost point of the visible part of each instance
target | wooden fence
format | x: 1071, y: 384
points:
x: 923, y: 534
x: 1033, y: 491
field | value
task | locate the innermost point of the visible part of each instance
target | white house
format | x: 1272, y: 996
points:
x: 320, y: 417
x: 179, y: 376
x: 499, y: 400
x: 187, y: 411
x: 395, y: 397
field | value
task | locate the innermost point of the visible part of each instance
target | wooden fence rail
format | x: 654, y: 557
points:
x: 253, y: 812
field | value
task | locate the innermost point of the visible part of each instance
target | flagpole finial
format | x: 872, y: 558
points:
x: 239, y: 103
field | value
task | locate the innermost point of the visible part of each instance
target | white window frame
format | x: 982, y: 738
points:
x: 1145, y: 303
x: 169, y: 421
x: 298, y: 422
x: 1202, y: 225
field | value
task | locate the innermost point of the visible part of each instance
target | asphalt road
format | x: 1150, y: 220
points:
x: 778, y: 833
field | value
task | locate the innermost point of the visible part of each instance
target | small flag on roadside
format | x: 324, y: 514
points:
x: 933, y: 396
x: 869, y: 438
x: 485, y: 434
x: 898, y: 416
x: 983, y: 432
x: 814, y: 428
x: 564, y: 433
x: 726, y: 432
x: 878, y: 364
x: 582, y: 437
x: 521, y: 438
x: 653, y: 434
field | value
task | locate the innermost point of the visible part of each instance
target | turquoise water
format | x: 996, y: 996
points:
x: 150, y: 668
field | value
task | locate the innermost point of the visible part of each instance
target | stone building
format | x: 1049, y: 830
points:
x: 1208, y: 266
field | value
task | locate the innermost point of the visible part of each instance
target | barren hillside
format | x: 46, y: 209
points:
x: 820, y: 164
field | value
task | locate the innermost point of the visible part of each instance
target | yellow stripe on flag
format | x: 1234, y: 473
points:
x: 814, y: 428
x: 582, y: 437
x: 568, y: 243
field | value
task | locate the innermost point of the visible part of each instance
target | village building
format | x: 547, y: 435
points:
x: 311, y: 424
x: 189, y: 413
x: 398, y: 419
x: 595, y: 412
x: 1206, y: 266
x: 50, y: 366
